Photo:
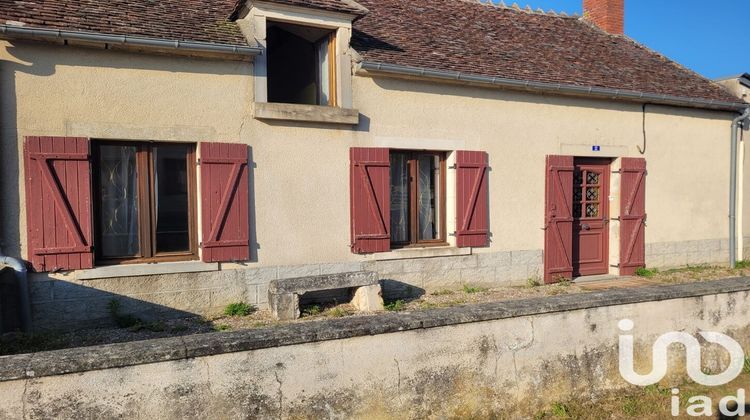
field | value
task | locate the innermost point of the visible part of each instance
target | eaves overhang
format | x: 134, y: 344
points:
x: 137, y: 42
x: 394, y: 70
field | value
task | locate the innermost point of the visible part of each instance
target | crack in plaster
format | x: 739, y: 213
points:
x: 398, y: 383
x: 281, y: 394
x: 208, y: 375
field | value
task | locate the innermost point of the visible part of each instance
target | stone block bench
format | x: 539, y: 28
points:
x: 284, y: 294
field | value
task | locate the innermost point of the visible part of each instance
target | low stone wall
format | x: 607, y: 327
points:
x: 63, y: 304
x: 498, y: 359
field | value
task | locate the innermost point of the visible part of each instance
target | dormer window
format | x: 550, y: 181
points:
x: 304, y: 72
x: 301, y: 64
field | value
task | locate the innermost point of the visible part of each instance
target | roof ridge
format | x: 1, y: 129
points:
x: 516, y: 8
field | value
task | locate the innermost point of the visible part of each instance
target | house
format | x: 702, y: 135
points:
x: 178, y: 156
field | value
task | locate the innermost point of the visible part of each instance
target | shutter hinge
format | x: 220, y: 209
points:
x: 198, y: 162
x: 452, y: 233
x: 615, y: 265
x: 200, y: 244
x: 617, y: 171
x: 454, y: 166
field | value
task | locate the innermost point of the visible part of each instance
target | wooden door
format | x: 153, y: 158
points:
x: 591, y: 216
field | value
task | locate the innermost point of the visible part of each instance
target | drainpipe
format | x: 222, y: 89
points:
x: 737, y: 124
x: 23, y: 289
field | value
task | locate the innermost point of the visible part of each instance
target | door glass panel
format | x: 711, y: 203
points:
x: 427, y: 196
x: 399, y: 197
x: 118, y: 193
x: 592, y: 209
x: 171, y: 201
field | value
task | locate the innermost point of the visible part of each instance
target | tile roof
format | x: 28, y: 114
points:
x: 481, y: 39
x: 185, y: 20
x: 452, y: 35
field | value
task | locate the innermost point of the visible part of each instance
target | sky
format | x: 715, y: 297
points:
x: 701, y: 35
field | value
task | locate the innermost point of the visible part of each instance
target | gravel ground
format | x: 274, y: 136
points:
x: 14, y: 343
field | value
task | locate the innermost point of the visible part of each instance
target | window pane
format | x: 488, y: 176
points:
x: 428, y: 190
x: 118, y: 192
x: 323, y: 64
x: 399, y: 198
x: 171, y: 198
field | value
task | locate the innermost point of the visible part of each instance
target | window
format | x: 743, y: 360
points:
x: 417, y: 198
x: 301, y: 64
x: 144, y: 196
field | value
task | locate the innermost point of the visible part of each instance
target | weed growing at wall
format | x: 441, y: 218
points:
x: 239, y: 309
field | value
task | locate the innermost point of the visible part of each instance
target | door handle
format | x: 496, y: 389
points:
x: 585, y: 227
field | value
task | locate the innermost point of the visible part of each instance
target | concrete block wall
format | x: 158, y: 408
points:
x: 677, y: 254
x: 414, y: 276
x: 67, y: 304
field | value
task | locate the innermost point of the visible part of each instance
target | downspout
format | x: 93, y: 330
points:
x: 23, y: 289
x: 737, y: 123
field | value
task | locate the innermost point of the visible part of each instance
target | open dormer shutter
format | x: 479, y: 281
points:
x: 58, y: 203
x: 224, y: 202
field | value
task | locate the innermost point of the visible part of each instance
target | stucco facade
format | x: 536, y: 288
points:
x: 299, y: 188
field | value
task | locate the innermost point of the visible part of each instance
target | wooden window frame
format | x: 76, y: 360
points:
x: 146, y: 205
x: 413, y: 162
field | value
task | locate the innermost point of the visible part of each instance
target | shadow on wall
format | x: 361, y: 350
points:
x: 59, y: 305
x: 394, y: 289
x: 448, y: 88
x: 251, y: 168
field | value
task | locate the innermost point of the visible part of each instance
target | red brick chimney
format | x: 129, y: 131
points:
x: 606, y: 14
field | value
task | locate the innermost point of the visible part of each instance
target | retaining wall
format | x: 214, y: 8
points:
x: 506, y: 358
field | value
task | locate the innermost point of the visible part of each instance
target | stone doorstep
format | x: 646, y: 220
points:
x: 284, y: 294
x: 82, y: 359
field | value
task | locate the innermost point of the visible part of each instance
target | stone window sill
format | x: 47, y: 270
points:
x: 428, y: 252
x: 132, y: 270
x: 308, y: 113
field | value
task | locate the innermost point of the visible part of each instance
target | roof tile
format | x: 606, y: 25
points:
x: 486, y: 40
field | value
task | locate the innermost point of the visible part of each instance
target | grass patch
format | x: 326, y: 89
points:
x: 533, y: 282
x: 338, y: 312
x: 742, y: 264
x: 239, y: 309
x: 395, y: 305
x: 312, y: 310
x: 746, y: 367
x: 222, y: 327
x: 17, y: 343
x: 646, y: 272
x: 473, y: 289
x: 560, y: 410
x: 443, y: 292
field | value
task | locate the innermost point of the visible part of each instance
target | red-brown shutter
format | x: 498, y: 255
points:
x: 632, y: 215
x: 472, y: 206
x: 224, y: 202
x: 58, y: 203
x: 370, y: 190
x: 558, y: 223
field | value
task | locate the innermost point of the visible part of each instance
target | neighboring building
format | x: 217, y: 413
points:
x: 179, y: 155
